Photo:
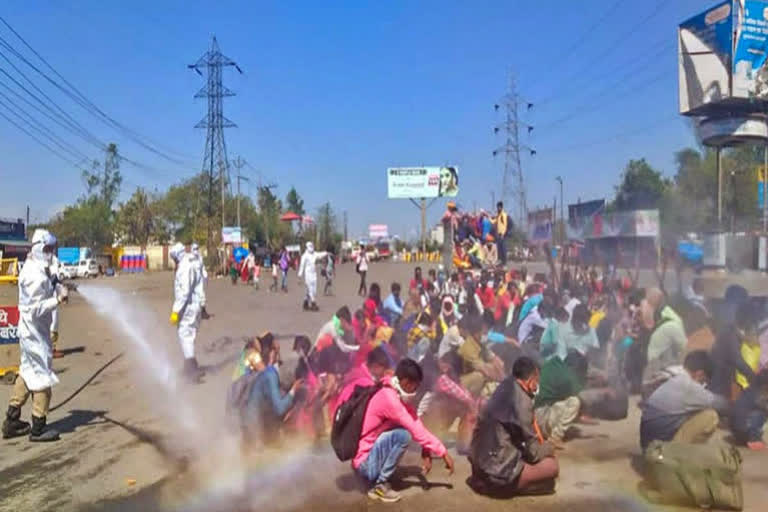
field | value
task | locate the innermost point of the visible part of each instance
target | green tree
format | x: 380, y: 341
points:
x: 294, y: 203
x: 327, y: 228
x: 275, y: 232
x: 90, y: 221
x: 642, y: 187
x: 104, y: 180
x: 137, y: 222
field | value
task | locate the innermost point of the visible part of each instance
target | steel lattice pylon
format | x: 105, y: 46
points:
x: 213, y: 62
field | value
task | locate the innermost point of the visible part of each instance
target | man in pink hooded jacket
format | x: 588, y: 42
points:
x: 388, y: 428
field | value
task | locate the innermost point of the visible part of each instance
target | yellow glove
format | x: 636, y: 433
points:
x: 54, y: 336
x: 174, y: 318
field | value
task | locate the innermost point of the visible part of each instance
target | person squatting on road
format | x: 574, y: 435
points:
x: 308, y: 269
x: 508, y: 453
x: 388, y: 428
x: 38, y: 298
x: 189, y: 296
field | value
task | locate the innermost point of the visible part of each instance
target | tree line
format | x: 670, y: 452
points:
x: 687, y: 202
x: 97, y: 219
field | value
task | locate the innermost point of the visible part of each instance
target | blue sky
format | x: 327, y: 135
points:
x: 335, y: 92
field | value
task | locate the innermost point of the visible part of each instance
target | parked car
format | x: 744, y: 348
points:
x: 87, y: 268
x: 67, y: 271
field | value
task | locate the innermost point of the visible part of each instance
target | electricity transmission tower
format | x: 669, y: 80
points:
x: 215, y: 159
x: 513, y: 181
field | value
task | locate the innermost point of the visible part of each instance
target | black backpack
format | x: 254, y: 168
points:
x: 348, y: 421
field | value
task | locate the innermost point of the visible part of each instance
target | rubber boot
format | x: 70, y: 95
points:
x: 305, y: 306
x: 13, y: 426
x: 40, y: 434
x: 204, y: 313
x: 192, y: 371
x: 313, y: 307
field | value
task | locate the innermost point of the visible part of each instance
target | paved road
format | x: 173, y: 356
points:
x: 132, y: 441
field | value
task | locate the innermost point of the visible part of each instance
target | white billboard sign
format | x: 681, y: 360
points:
x: 231, y: 235
x: 422, y: 182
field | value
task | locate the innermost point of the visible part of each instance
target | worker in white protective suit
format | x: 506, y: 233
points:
x: 38, y: 298
x: 308, y: 269
x: 188, y: 294
x: 203, y: 272
x: 55, y: 315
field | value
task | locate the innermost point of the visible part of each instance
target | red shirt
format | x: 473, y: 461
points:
x: 415, y: 284
x: 487, y: 296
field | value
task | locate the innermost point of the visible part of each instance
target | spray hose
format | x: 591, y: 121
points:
x: 85, y: 384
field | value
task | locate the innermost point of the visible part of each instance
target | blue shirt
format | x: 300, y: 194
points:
x: 392, y: 309
x: 266, y: 396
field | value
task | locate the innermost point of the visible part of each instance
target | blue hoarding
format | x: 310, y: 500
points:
x: 705, y: 45
x: 750, y: 78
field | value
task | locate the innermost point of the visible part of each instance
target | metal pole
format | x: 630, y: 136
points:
x: 423, y: 226
x: 719, y: 190
x: 562, y: 215
x: 765, y: 188
x: 238, y: 198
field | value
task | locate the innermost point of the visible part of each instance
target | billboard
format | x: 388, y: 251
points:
x: 422, y: 182
x: 12, y: 229
x: 9, y: 325
x: 750, y: 77
x: 636, y: 223
x: 231, y: 235
x: 540, y: 225
x: 376, y: 231
x: 722, y: 57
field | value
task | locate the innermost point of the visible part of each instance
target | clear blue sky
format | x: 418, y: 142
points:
x: 335, y: 92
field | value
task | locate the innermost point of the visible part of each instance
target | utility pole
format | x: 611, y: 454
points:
x: 346, y: 233
x: 513, y: 182
x: 562, y: 214
x: 213, y: 62
x: 239, y: 163
x: 765, y: 189
x: 424, y: 226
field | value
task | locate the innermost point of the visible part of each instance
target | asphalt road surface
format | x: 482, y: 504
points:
x: 135, y: 438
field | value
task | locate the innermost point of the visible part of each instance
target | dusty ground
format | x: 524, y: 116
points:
x: 127, y: 445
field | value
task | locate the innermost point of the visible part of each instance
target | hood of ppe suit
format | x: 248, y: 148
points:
x: 40, y: 239
x: 177, y: 251
x: 310, y: 247
x: 195, y: 248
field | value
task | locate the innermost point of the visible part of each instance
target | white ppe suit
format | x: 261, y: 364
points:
x: 188, y: 296
x: 203, y: 272
x: 37, y: 302
x: 308, y: 269
x: 54, y: 271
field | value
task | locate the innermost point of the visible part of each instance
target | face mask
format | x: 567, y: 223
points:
x: 395, y: 382
x: 535, y: 392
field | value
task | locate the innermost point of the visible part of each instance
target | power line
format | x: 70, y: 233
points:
x: 84, y: 102
x: 41, y: 129
x: 660, y: 46
x: 628, y: 133
x: 61, y: 113
x: 33, y: 137
x: 596, y: 105
x: 623, y: 37
x: 591, y: 30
